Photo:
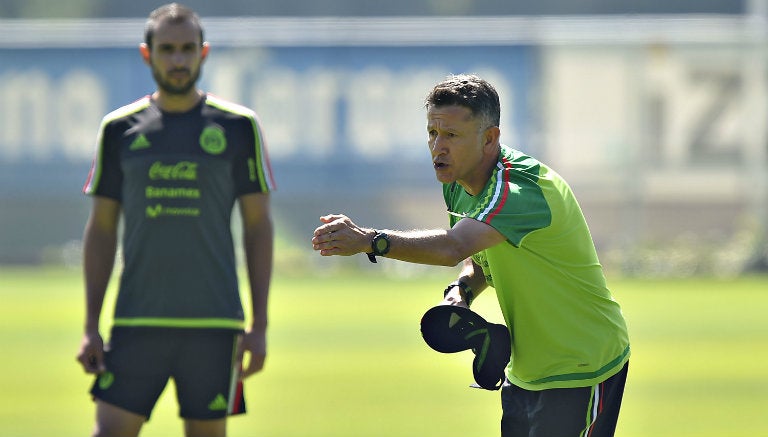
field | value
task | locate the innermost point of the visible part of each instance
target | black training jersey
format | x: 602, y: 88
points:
x: 177, y: 176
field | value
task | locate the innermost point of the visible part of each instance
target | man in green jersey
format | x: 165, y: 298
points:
x: 517, y: 227
x: 171, y: 166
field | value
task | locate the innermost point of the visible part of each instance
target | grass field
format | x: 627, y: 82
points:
x: 346, y: 359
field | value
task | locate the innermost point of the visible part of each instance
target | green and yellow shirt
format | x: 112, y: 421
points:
x: 567, y: 331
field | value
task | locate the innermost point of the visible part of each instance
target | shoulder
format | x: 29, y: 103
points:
x: 517, y: 176
x: 520, y: 169
x: 129, y: 109
x: 234, y: 114
x: 213, y: 101
x: 515, y: 160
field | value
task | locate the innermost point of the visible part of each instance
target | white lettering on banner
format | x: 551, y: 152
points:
x: 322, y: 126
x: 672, y: 109
x: 373, y: 112
x: 369, y: 113
x: 700, y: 104
x: 80, y: 109
x: 282, y: 106
x: 369, y: 94
x: 45, y: 118
x: 25, y: 99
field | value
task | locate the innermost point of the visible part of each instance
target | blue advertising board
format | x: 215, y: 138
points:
x: 344, y: 119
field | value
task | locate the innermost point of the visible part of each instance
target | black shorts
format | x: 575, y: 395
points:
x: 202, y: 363
x: 566, y: 412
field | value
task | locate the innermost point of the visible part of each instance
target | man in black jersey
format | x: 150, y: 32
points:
x: 171, y: 166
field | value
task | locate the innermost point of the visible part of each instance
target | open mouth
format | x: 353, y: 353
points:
x: 439, y: 165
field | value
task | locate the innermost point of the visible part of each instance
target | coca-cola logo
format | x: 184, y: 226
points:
x: 183, y: 170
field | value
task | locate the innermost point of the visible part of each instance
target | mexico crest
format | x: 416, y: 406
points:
x: 212, y: 140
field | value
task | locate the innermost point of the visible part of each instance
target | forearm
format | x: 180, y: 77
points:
x: 472, y: 275
x: 338, y: 235
x: 99, y: 250
x: 99, y: 247
x: 258, y: 248
x: 470, y: 283
x: 433, y: 247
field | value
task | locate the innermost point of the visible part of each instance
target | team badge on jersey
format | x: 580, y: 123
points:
x: 212, y: 140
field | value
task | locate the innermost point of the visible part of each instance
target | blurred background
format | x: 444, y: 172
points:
x: 654, y: 111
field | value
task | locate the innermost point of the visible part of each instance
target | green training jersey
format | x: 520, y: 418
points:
x: 567, y: 331
x: 177, y: 177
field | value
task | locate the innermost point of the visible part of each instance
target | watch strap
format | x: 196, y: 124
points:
x: 374, y: 246
x: 469, y: 296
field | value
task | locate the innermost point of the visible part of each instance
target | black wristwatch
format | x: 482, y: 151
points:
x: 379, y: 246
x: 469, y: 296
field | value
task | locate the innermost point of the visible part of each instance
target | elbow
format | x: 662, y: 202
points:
x: 452, y: 258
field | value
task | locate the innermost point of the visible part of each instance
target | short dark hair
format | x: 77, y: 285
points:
x: 471, y: 92
x: 173, y: 12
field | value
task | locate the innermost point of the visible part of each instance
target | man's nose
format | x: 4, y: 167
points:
x: 436, y: 145
x: 178, y: 58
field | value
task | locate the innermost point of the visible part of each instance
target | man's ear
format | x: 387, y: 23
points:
x: 145, y: 53
x: 491, y: 136
x: 204, y: 50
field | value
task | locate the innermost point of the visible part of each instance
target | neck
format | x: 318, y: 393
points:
x: 475, y: 185
x: 177, y: 103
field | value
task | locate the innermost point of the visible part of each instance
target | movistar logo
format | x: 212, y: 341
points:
x: 141, y: 142
x: 184, y: 170
x: 154, y: 211
x: 218, y: 404
x: 158, y: 210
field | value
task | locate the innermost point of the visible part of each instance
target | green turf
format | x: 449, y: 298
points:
x: 346, y: 359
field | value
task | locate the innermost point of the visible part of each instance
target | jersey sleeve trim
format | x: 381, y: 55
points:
x: 497, y: 196
x: 94, y: 175
x: 513, y: 201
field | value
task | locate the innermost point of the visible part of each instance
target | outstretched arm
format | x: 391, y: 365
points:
x: 338, y: 235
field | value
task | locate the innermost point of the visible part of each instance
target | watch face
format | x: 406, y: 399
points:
x: 381, y: 244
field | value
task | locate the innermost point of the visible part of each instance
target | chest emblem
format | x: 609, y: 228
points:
x: 213, y: 141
